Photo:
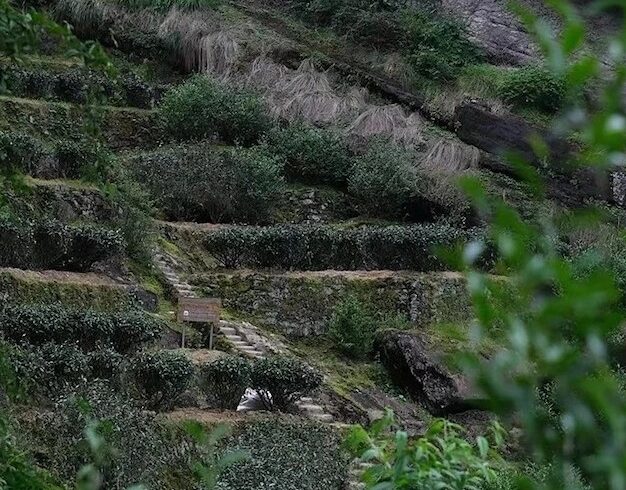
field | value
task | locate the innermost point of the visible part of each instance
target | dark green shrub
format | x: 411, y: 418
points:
x: 72, y: 86
x: 311, y: 154
x: 278, y: 446
x: 224, y: 381
x: 105, y: 364
x: 55, y: 245
x: 281, y: 380
x: 73, y: 247
x: 352, y: 328
x: 200, y: 184
x: 25, y: 83
x: 137, y: 93
x: 384, y: 179
x: 161, y: 377
x: 49, y: 369
x: 319, y: 247
x: 21, y: 152
x: 68, y: 159
x: 87, y: 329
x: 81, y: 159
x: 143, y: 451
x: 204, y: 108
x: 373, y: 23
x: 533, y: 86
x: 437, y: 47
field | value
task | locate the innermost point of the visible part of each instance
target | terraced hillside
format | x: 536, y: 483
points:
x: 301, y: 163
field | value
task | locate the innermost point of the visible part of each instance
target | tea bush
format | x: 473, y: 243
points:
x: 106, y: 363
x: 55, y: 245
x: 81, y: 159
x: 311, y: 154
x: 87, y: 329
x: 24, y: 153
x: 276, y: 447
x: 143, y: 452
x: 437, y: 47
x: 384, y: 179
x: 78, y: 85
x: 161, y: 377
x: 225, y: 380
x: 319, y: 247
x: 47, y: 370
x: 281, y: 380
x: 533, y: 86
x: 204, y: 108
x: 352, y: 328
x: 199, y: 183
x: 374, y: 23
x: 20, y: 151
x: 441, y: 458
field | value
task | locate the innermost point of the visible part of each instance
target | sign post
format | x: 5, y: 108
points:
x: 199, y: 310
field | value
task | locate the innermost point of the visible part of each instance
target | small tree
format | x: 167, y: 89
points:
x: 281, y: 380
x: 352, y: 328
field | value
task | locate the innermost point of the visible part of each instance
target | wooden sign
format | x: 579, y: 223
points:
x: 199, y: 310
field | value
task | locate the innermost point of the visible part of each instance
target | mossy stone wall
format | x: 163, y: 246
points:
x: 301, y: 304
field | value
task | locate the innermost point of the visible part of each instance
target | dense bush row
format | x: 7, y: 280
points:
x: 199, y: 183
x: 204, y: 108
x: 55, y: 245
x: 279, y: 381
x: 87, y: 329
x: 66, y: 159
x: 318, y: 247
x: 383, y: 179
x: 76, y: 85
x: 277, y: 447
x: 138, y: 448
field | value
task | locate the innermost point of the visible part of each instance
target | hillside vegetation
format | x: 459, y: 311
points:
x: 392, y: 202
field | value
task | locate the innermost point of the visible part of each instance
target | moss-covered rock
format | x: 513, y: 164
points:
x: 301, y: 304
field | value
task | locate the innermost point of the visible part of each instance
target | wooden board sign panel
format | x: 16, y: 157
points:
x: 199, y: 310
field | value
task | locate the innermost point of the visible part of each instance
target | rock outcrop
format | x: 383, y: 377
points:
x: 493, y: 27
x: 413, y: 364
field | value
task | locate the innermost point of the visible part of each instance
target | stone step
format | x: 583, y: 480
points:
x: 239, y: 344
x: 312, y: 409
x: 233, y: 336
x: 228, y: 331
x: 323, y: 417
x: 306, y: 399
x: 355, y: 485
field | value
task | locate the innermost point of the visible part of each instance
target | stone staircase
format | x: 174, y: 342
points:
x: 249, y: 341
x: 166, y: 264
x: 355, y: 472
x: 243, y: 336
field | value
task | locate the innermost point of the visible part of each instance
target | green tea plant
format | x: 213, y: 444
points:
x: 352, y: 328
x: 442, y: 458
x: 555, y: 376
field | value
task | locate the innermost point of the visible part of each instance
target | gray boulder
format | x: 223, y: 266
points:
x: 493, y: 27
x: 414, y: 365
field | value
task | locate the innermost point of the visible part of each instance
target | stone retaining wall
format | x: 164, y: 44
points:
x: 301, y: 304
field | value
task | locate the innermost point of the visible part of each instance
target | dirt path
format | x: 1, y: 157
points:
x: 62, y: 277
